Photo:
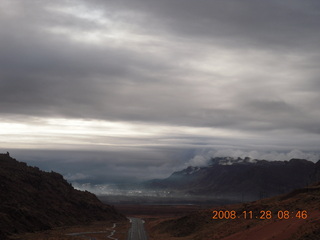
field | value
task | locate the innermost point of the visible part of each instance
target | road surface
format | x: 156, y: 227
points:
x: 137, y: 232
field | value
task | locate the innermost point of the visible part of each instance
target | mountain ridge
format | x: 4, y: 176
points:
x: 238, y: 178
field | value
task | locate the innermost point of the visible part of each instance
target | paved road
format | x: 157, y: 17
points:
x: 137, y: 232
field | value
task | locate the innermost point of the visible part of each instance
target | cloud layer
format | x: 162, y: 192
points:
x: 191, y: 74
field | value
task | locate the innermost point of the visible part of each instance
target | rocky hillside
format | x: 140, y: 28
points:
x: 293, y: 216
x: 32, y: 200
x: 243, y: 179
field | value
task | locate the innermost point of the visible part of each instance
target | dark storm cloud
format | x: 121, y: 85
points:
x: 98, y: 167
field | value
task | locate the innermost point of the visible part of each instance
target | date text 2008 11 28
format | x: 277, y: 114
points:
x: 263, y: 214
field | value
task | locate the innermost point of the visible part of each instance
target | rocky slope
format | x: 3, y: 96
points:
x: 33, y: 200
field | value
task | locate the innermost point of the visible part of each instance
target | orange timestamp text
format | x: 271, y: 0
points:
x: 263, y: 214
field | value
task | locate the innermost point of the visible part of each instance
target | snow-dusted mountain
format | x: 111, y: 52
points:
x: 230, y: 161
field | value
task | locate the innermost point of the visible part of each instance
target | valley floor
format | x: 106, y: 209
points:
x: 94, y: 231
x: 194, y: 222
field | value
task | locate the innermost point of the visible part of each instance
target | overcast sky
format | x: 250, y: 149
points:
x: 142, y: 87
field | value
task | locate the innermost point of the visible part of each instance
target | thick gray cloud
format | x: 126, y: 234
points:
x: 192, y: 74
x: 250, y: 23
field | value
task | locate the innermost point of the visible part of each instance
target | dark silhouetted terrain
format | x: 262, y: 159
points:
x: 242, y: 179
x: 33, y: 200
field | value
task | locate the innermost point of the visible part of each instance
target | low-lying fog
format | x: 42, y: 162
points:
x: 133, y: 193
